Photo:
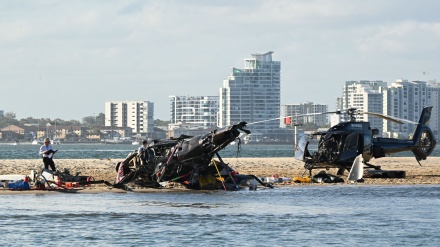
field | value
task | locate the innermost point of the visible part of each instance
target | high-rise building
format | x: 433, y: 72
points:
x: 200, y: 110
x: 338, y: 104
x: 138, y: 115
x: 365, y: 96
x: 2, y: 113
x: 305, y: 108
x: 350, y: 87
x: 404, y: 99
x: 252, y: 94
x: 434, y: 100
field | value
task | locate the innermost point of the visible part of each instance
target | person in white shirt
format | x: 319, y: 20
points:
x: 47, y: 153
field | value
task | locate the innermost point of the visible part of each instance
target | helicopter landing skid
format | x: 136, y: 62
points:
x: 310, y: 166
x: 378, y: 168
x: 385, y: 174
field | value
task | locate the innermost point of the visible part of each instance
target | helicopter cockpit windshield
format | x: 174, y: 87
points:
x: 329, y: 147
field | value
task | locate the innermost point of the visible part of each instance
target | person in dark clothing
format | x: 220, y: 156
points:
x: 47, y: 153
x: 143, y: 153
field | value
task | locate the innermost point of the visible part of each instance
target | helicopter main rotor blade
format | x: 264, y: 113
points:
x: 293, y: 116
x: 389, y: 118
x: 349, y: 111
x: 273, y: 119
x: 331, y: 112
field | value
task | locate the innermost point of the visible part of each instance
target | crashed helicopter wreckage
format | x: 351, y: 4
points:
x: 186, y: 160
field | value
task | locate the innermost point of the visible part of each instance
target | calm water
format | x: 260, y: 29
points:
x: 337, y: 215
x: 100, y: 151
x: 340, y: 215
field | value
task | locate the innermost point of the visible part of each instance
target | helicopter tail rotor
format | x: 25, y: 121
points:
x: 423, y: 138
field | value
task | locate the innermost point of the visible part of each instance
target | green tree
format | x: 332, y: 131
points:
x: 100, y: 119
x: 93, y: 121
x: 3, y: 122
x: 159, y: 122
x: 10, y: 115
x: 44, y: 121
x: 89, y: 121
x: 72, y: 122
x: 58, y: 121
x: 29, y: 120
x: 8, y: 119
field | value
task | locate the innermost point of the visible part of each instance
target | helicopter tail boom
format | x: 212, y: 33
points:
x: 421, y: 145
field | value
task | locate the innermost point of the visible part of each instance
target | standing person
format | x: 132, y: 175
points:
x: 47, y: 153
x: 143, y: 152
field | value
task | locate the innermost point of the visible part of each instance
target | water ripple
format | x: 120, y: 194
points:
x: 336, y: 215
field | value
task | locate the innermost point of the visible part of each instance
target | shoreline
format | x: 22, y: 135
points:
x: 104, y: 169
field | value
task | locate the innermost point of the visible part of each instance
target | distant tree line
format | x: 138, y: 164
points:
x: 159, y: 122
x: 10, y: 118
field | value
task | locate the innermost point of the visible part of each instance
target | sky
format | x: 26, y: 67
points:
x: 65, y: 59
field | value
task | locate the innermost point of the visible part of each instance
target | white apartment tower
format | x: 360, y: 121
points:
x: 404, y: 99
x: 305, y: 108
x: 137, y: 115
x: 347, y: 101
x: 199, y: 110
x: 252, y: 94
x: 365, y: 96
x: 434, y: 100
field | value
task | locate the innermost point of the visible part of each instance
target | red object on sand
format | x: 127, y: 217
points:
x: 59, y: 182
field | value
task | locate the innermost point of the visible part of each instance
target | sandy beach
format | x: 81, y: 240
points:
x: 428, y: 173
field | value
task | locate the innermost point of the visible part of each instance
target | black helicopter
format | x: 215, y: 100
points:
x: 188, y: 160
x: 339, y: 146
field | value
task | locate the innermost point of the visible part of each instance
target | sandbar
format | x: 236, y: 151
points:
x: 104, y: 169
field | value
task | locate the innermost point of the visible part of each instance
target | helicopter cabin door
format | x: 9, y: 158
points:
x: 352, y: 145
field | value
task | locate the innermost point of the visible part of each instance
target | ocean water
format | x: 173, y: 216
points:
x: 120, y: 151
x: 337, y: 215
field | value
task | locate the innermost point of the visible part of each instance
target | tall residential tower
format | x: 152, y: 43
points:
x: 404, y: 99
x: 365, y: 96
x: 200, y: 110
x: 137, y: 115
x: 252, y: 94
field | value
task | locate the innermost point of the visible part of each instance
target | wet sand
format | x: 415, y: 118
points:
x: 428, y: 173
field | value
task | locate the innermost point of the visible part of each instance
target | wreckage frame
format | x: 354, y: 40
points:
x: 191, y: 161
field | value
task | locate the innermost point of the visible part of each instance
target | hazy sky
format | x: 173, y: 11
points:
x: 64, y: 59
